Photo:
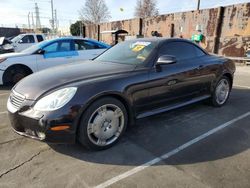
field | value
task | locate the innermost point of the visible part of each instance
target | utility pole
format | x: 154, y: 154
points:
x: 56, y: 23
x: 29, y: 19
x: 38, y: 22
x: 32, y: 18
x: 198, y: 5
x: 52, y: 20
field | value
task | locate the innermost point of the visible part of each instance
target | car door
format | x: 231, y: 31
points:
x: 56, y: 53
x: 178, y: 82
x: 25, y: 42
x: 87, y: 49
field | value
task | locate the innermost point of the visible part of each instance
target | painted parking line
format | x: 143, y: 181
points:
x: 5, y: 112
x: 1, y: 94
x: 240, y: 86
x: 171, y: 153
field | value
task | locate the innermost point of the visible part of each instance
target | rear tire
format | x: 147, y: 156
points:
x: 221, y: 92
x: 102, y: 124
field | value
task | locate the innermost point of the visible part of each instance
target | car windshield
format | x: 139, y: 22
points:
x: 34, y: 48
x: 17, y: 38
x: 128, y: 52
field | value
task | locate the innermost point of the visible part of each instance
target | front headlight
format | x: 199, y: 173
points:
x: 56, y: 99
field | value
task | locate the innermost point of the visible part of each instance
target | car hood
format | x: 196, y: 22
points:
x: 14, y: 54
x: 35, y: 85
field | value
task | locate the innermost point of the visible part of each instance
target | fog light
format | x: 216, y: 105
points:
x: 41, y: 135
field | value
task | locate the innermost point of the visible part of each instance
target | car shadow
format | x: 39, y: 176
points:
x: 2, y: 88
x: 154, y: 136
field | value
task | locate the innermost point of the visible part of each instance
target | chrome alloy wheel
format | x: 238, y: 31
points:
x: 222, y: 91
x: 105, y: 125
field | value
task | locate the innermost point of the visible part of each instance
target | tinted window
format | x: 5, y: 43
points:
x: 28, y: 39
x: 39, y: 38
x: 199, y: 52
x: 79, y: 45
x: 181, y: 50
x: 64, y: 46
x: 60, y: 46
x: 51, y: 48
x: 85, y: 45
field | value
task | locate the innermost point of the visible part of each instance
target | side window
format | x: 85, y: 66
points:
x: 170, y: 49
x: 79, y: 45
x: 39, y: 38
x: 64, y: 46
x: 181, y: 50
x: 85, y: 45
x: 60, y: 46
x: 51, y: 48
x: 199, y: 52
x: 27, y: 39
x: 90, y: 45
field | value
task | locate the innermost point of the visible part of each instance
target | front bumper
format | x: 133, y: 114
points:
x: 37, y: 125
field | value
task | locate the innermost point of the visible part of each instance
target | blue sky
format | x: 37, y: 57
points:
x: 16, y: 11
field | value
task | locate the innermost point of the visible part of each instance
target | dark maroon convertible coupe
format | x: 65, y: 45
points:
x: 94, y: 101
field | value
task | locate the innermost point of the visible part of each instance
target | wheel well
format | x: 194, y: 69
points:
x: 6, y: 78
x: 121, y: 99
x: 126, y: 104
x: 230, y: 77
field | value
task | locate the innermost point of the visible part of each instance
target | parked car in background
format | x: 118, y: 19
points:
x: 24, y: 41
x: 15, y: 66
x: 94, y: 101
x: 5, y: 46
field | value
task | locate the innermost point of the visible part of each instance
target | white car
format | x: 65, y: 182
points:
x: 24, y: 41
x: 15, y: 66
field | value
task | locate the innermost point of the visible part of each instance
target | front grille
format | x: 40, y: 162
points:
x: 16, y: 99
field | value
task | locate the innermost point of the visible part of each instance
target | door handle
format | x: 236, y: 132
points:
x: 68, y: 57
x: 200, y: 67
x: 172, y: 82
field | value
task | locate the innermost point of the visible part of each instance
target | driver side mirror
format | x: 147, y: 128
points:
x: 166, y: 59
x: 41, y: 52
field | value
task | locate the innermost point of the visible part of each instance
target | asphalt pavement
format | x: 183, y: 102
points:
x: 195, y: 146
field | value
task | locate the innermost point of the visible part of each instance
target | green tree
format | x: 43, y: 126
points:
x: 75, y: 28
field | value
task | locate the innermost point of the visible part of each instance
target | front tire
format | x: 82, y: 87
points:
x: 221, y: 92
x: 14, y: 75
x: 102, y: 124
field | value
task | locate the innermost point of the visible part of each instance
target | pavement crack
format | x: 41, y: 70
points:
x: 23, y: 163
x: 6, y: 142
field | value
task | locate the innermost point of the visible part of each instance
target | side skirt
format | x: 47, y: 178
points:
x: 168, y: 108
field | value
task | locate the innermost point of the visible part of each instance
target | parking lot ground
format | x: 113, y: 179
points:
x: 221, y: 159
